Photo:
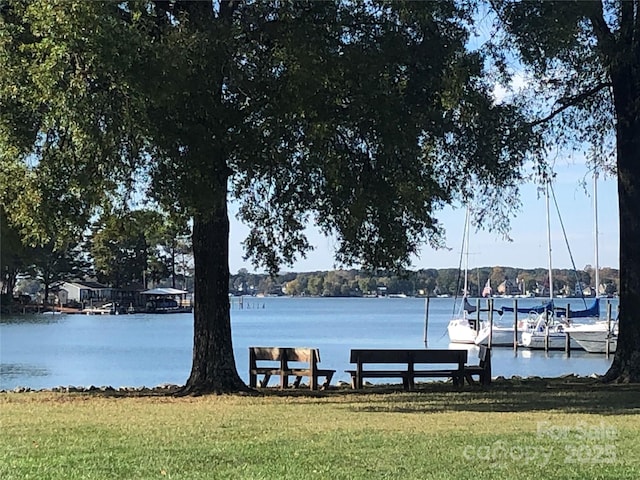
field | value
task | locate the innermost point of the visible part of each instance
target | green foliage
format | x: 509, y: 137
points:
x: 367, y: 118
x: 13, y: 255
x: 395, y: 123
x: 52, y: 265
x: 139, y: 246
x: 123, y: 248
x: 67, y: 120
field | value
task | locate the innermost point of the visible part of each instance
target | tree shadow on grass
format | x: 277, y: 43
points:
x: 561, y: 395
x: 567, y: 395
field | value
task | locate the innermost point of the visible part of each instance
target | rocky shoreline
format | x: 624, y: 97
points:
x: 164, y: 389
x: 170, y: 389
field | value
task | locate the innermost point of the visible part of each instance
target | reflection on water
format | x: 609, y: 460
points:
x: 39, y: 319
x: 15, y: 371
x: 45, y: 351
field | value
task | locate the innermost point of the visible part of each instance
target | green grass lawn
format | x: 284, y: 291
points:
x: 531, y: 430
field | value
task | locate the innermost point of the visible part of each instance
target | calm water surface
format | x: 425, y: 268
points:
x: 45, y: 351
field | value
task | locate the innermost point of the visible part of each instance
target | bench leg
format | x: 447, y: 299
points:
x: 407, y: 383
x: 297, y: 381
x: 265, y: 380
x: 327, y: 381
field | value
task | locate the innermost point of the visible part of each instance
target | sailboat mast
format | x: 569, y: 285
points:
x: 549, y: 241
x: 465, y: 292
x: 595, y: 222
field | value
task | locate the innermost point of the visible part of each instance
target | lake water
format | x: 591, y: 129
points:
x: 45, y: 351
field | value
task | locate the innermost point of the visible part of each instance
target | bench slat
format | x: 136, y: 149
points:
x: 304, y: 361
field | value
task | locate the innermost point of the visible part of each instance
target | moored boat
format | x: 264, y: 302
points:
x: 462, y: 329
x: 593, y: 338
x: 502, y: 332
x: 548, y: 333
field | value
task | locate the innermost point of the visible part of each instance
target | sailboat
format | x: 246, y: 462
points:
x: 502, y: 332
x: 550, y: 327
x: 462, y: 328
x: 594, y: 337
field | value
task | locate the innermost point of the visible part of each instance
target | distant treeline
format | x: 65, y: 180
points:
x: 448, y: 281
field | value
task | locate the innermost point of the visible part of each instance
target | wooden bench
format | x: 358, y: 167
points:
x: 286, y: 362
x: 405, y: 363
x: 483, y: 369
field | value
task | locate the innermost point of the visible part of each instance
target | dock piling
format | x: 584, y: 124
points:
x: 515, y: 326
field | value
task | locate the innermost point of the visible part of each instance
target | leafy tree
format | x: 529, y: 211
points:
x: 613, y: 277
x: 609, y: 287
x: 366, y: 117
x: 498, y: 275
x: 585, y: 59
x: 531, y: 285
x: 13, y: 256
x: 182, y: 264
x: 316, y: 285
x: 122, y: 246
x: 53, y: 265
x: 172, y: 242
x: 450, y: 281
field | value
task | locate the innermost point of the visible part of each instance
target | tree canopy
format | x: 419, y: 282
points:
x: 363, y: 117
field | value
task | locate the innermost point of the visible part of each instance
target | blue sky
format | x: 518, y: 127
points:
x: 528, y: 248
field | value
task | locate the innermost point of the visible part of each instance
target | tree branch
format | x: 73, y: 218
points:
x: 601, y: 29
x: 572, y: 102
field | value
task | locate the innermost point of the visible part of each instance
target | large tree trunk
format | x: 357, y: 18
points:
x: 626, y: 363
x: 214, y: 368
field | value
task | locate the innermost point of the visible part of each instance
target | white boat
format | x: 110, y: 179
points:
x: 502, y: 332
x: 549, y: 333
x: 594, y: 337
x: 501, y: 336
x: 462, y: 328
x: 96, y: 311
x: 555, y: 324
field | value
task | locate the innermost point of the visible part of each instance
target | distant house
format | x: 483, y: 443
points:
x: 83, y: 292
